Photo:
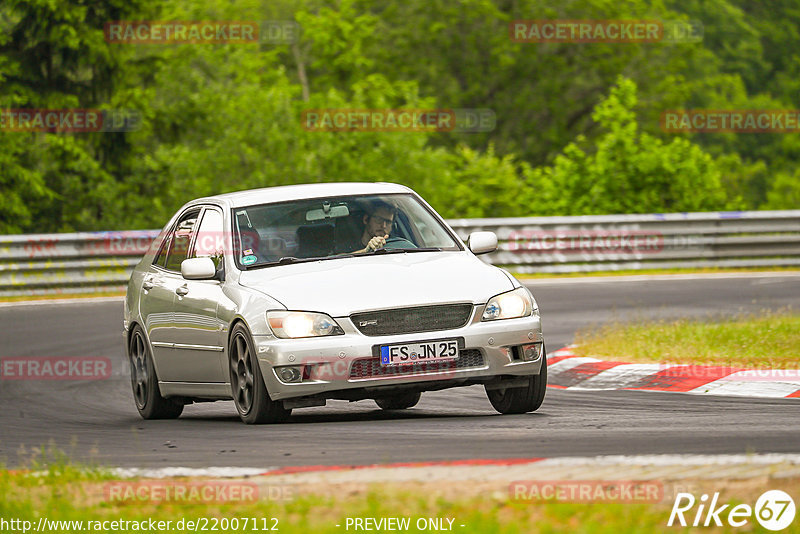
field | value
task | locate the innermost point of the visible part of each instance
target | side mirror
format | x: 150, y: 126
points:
x: 198, y: 269
x: 482, y: 242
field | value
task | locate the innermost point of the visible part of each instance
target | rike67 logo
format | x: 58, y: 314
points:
x: 774, y: 510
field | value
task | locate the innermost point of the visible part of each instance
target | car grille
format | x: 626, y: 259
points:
x: 372, y: 368
x: 410, y: 320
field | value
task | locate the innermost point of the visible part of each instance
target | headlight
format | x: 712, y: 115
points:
x: 289, y: 324
x: 516, y: 303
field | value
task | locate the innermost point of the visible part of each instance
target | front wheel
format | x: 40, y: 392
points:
x: 247, y: 384
x: 521, y: 400
x: 144, y: 381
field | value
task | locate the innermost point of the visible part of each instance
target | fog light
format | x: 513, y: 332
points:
x: 531, y: 353
x: 290, y: 374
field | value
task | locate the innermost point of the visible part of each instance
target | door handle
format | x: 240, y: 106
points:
x: 147, y: 285
x: 182, y: 290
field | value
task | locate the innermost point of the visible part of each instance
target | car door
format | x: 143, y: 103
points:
x: 199, y: 335
x: 159, y: 289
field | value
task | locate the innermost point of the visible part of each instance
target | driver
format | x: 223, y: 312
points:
x: 377, y: 226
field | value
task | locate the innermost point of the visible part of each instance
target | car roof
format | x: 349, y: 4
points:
x: 284, y: 193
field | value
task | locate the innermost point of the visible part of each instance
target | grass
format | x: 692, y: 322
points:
x: 68, y: 493
x: 767, y: 340
x: 645, y: 272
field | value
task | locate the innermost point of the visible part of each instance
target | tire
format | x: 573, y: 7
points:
x: 144, y: 381
x: 399, y: 402
x: 521, y: 400
x: 247, y: 384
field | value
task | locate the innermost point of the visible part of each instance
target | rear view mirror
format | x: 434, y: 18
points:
x: 198, y: 269
x: 327, y: 212
x: 482, y: 242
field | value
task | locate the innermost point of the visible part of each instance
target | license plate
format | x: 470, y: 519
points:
x: 444, y: 349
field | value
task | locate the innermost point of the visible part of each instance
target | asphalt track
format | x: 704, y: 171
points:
x: 96, y: 421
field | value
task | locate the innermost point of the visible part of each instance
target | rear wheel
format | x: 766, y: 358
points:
x: 144, y: 381
x: 247, y: 384
x: 523, y: 399
x: 399, y: 402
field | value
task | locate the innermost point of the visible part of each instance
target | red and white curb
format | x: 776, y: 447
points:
x: 613, y: 467
x: 641, y: 467
x: 244, y: 472
x: 566, y: 370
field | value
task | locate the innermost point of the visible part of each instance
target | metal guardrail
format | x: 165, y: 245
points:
x: 102, y: 261
x: 635, y: 242
x: 33, y: 264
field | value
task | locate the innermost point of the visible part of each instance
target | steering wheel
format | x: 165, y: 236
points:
x: 398, y: 242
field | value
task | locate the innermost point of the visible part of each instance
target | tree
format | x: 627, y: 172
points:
x: 784, y: 194
x: 53, y: 54
x: 627, y: 171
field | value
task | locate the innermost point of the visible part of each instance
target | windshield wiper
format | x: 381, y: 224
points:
x: 288, y: 260
x: 394, y: 250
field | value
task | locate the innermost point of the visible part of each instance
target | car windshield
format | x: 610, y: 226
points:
x: 323, y: 228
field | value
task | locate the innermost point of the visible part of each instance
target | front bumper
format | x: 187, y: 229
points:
x: 334, y: 364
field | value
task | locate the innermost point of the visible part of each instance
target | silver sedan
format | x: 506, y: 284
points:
x: 286, y: 297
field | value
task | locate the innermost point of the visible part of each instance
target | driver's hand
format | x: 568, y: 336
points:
x: 376, y: 242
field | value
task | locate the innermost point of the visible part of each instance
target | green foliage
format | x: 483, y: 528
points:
x: 53, y: 55
x: 76, y: 499
x: 480, y: 184
x: 577, y: 124
x: 627, y: 171
x: 784, y: 193
x: 22, y: 187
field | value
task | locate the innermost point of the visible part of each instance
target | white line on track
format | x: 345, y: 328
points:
x: 667, y: 466
x: 56, y: 302
x: 767, y: 277
x: 167, y: 472
x: 677, y: 459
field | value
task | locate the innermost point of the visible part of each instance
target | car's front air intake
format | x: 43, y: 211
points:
x: 371, y: 367
x: 410, y: 320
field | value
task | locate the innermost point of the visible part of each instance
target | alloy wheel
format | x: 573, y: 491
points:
x: 242, y: 373
x: 139, y: 374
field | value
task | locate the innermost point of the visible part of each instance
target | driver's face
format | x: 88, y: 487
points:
x: 379, y: 223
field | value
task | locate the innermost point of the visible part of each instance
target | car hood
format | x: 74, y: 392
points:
x: 343, y: 286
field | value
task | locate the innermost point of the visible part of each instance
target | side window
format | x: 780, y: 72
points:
x: 161, y: 259
x: 210, y: 241
x: 181, y: 239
